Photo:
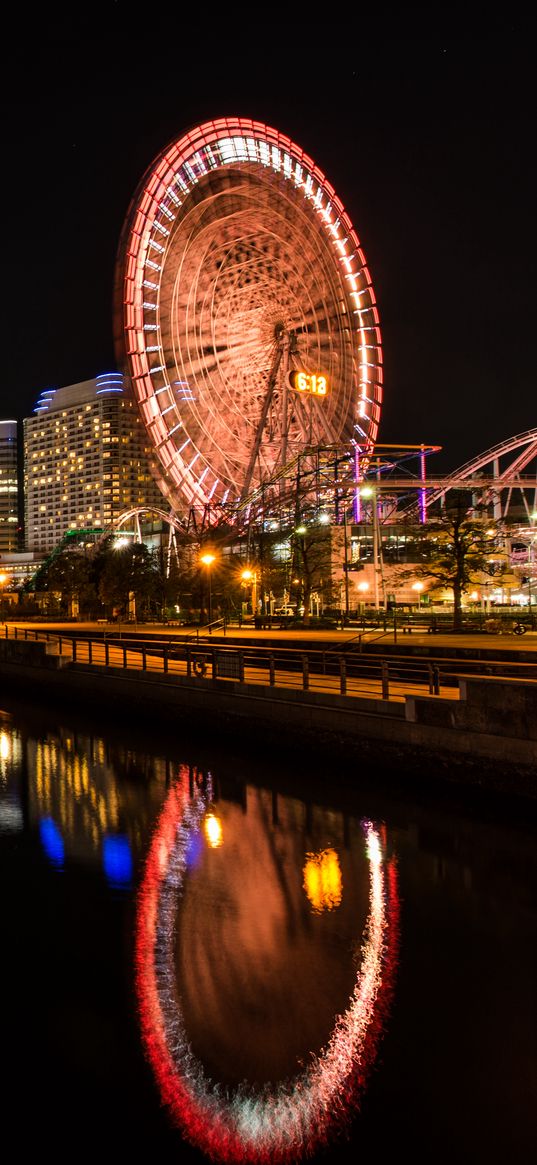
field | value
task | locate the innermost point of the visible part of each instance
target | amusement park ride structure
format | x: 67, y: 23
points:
x: 322, y: 482
x: 246, y: 321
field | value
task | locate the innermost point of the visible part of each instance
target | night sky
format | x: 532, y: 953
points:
x: 430, y: 144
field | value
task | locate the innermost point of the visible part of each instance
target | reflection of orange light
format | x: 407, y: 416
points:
x: 213, y: 830
x: 322, y: 880
x: 4, y: 746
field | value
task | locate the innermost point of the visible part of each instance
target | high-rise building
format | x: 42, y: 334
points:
x: 85, y: 460
x: 9, y: 488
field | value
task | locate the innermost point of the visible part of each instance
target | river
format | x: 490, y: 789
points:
x: 230, y: 954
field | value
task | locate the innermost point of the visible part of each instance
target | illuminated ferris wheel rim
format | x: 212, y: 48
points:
x: 232, y: 144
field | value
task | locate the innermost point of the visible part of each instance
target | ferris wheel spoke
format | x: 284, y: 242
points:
x: 262, y: 420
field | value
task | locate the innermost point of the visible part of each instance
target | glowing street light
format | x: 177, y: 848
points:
x: 247, y: 576
x: 207, y: 559
x: 418, y: 586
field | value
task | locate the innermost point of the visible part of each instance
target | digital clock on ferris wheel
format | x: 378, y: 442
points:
x: 313, y: 383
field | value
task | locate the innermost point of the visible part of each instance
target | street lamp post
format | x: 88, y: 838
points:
x: 368, y: 491
x: 208, y: 560
x: 346, y: 564
x: 251, y: 576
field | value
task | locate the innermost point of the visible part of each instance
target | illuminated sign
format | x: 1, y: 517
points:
x: 311, y: 382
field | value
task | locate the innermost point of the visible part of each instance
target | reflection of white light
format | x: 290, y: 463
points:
x: 11, y: 819
x: 374, y: 851
x: 5, y: 746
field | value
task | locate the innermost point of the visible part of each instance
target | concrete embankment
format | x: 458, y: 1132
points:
x: 488, y: 736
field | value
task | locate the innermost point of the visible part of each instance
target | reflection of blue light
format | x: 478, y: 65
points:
x: 52, y: 841
x: 117, y: 860
x: 194, y: 850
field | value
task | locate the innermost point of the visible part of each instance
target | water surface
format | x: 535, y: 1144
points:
x: 263, y: 924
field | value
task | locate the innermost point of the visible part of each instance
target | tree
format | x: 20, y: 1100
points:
x: 458, y: 548
x: 129, y: 571
x: 69, y: 575
x: 311, y: 561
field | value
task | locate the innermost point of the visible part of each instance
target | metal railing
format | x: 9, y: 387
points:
x: 324, y: 671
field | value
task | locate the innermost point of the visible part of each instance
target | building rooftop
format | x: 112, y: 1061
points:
x: 53, y: 399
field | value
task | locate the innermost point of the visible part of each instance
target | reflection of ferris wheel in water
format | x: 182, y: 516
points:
x: 246, y: 315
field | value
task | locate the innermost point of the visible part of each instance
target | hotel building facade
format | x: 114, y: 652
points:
x: 86, y: 460
x: 9, y: 489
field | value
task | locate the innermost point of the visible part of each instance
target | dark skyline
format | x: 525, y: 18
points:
x: 429, y: 144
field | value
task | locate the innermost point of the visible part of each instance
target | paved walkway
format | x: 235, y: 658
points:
x: 248, y: 635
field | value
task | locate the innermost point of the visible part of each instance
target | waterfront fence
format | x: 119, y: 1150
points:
x: 351, y: 674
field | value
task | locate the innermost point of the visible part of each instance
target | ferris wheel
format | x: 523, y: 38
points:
x: 245, y: 314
